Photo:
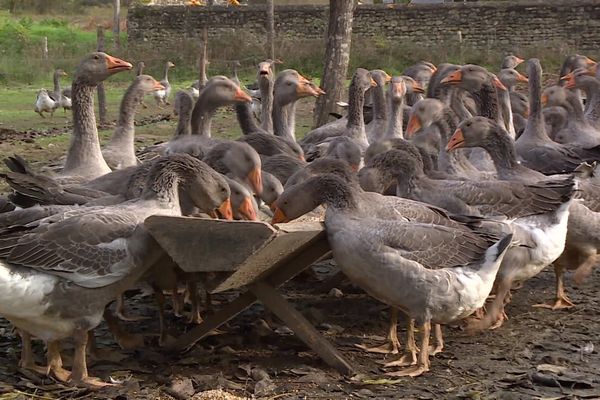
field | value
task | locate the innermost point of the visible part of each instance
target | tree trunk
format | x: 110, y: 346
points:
x: 117, y: 24
x: 203, y: 59
x: 271, y: 29
x: 12, y: 6
x: 101, y: 94
x: 337, y: 56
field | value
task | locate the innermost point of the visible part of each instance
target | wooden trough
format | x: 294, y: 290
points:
x: 265, y: 257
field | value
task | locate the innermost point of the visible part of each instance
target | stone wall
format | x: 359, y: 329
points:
x: 502, y: 25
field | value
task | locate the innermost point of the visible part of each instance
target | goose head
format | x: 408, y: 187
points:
x: 411, y: 85
x: 554, y: 96
x: 244, y: 163
x: 272, y: 188
x: 170, y: 64
x: 291, y: 86
x: 98, y: 66
x: 380, y: 77
x: 221, y: 91
x: 424, y: 113
x: 345, y: 149
x: 580, y: 78
x: 146, y: 84
x: 510, y: 77
x: 511, y: 61
x: 398, y: 89
x: 473, y: 132
x: 60, y: 72
x: 304, y: 197
x: 381, y: 171
x: 265, y: 71
x: 183, y: 103
x: 471, y: 78
x: 242, y: 201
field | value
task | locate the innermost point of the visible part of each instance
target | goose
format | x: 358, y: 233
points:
x: 585, y: 80
x: 511, y: 61
x: 519, y: 102
x: 338, y: 147
x: 582, y: 240
x: 421, y: 72
x: 272, y: 188
x: 139, y: 69
x: 572, y: 63
x: 59, y: 98
x: 397, y: 257
x: 43, y: 103
x: 84, y: 157
x: 119, y: 152
x: 290, y: 86
x: 377, y: 127
x: 534, y: 147
x: 266, y: 85
x: 355, y: 125
x: 48, y: 258
x: 162, y: 96
x: 433, y: 112
x: 541, y: 226
x: 577, y: 130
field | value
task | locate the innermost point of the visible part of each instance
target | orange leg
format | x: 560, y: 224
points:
x: 55, y: 365
x: 392, y: 345
x: 124, y: 339
x: 26, y: 360
x: 79, y: 375
x: 410, y: 349
x: 495, y: 312
x: 561, y: 301
x: 423, y: 358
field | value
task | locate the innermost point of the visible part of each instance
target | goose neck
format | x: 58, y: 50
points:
x: 266, y: 103
x: 84, y: 157
x: 202, y: 116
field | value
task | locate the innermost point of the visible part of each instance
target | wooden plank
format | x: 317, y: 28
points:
x: 208, y: 245
x: 301, y: 327
x: 289, y: 240
x: 284, y: 271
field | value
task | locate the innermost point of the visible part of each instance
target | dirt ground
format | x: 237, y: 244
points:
x: 536, y: 354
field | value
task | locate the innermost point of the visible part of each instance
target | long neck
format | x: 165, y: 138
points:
x: 535, y: 128
x: 166, y: 77
x: 202, y: 116
x: 266, y: 103
x: 162, y: 186
x: 84, y: 157
x: 592, y: 92
x: 124, y: 132
x: 341, y: 197
x: 378, y: 96
x: 184, y: 126
x: 573, y: 106
x: 501, y: 148
x: 56, y: 84
x: 284, y: 119
x: 408, y: 183
x: 395, y: 121
x: 356, y: 123
x: 507, y: 115
x: 455, y: 100
x: 245, y: 119
x: 487, y: 100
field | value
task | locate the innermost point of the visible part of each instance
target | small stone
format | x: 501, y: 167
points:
x: 264, y: 387
x: 335, y: 292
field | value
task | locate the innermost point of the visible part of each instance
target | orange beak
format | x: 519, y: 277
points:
x: 567, y: 76
x: 414, y: 124
x: 302, y: 79
x: 373, y: 83
x: 433, y: 69
x: 387, y: 78
x: 519, y: 60
x: 301, y: 157
x: 499, y: 84
x: 457, y: 140
x: 306, y: 89
x: 247, y: 210
x: 242, y: 96
x: 544, y: 99
x: 225, y: 210
x: 589, y: 61
x: 279, y: 216
x: 455, y: 77
x: 593, y: 70
x: 570, y: 82
x: 522, y: 78
x: 114, y: 64
x: 417, y: 88
x: 158, y: 86
x: 255, y: 179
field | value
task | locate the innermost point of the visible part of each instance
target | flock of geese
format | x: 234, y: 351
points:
x: 448, y: 186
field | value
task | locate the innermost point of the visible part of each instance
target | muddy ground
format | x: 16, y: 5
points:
x: 536, y: 354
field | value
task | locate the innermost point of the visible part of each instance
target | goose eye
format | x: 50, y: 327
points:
x: 96, y: 57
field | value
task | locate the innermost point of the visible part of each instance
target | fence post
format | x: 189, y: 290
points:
x: 117, y: 24
x: 270, y: 30
x: 203, y: 59
x: 101, y: 94
x: 45, y: 48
